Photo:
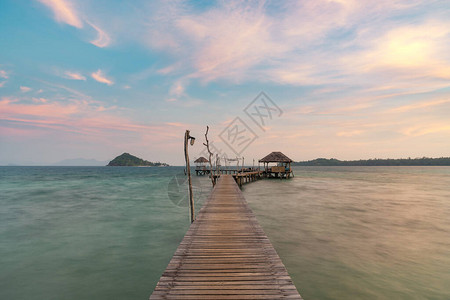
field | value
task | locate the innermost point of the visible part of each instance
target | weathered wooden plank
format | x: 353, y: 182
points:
x: 225, y: 255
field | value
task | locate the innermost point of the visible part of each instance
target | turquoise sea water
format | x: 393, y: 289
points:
x: 360, y: 232
x: 108, y: 233
x: 88, y: 232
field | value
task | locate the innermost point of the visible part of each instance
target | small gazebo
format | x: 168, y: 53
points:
x: 200, y: 166
x: 281, y: 169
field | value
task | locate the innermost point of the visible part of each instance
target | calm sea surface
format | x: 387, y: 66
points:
x: 108, y: 233
x: 360, y: 232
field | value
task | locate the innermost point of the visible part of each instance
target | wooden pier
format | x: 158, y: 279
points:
x: 225, y: 255
x: 200, y: 171
x: 245, y: 177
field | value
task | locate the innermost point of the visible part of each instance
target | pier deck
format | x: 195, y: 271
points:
x: 225, y: 255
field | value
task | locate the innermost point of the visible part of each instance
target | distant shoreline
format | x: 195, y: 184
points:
x: 424, y: 161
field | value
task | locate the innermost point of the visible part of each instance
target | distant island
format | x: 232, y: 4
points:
x: 424, y: 161
x: 128, y: 160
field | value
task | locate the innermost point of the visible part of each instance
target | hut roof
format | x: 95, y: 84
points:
x: 276, y: 157
x: 201, y: 159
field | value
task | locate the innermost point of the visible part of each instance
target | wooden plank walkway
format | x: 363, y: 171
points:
x: 225, y: 255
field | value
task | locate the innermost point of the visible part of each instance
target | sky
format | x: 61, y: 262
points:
x: 345, y: 79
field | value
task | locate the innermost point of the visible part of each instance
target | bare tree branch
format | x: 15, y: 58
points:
x: 213, y: 179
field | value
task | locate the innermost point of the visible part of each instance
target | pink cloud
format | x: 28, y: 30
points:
x: 238, y: 41
x: 64, y: 12
x: 167, y: 70
x: 81, y: 117
x: 74, y: 75
x: 20, y: 132
x: 103, y: 39
x: 177, y: 89
x: 420, y: 105
x: 25, y: 89
x: 177, y: 124
x: 47, y: 110
x: 406, y: 52
x: 39, y: 100
x: 3, y: 74
x: 424, y: 129
x: 100, y: 77
x: 349, y: 133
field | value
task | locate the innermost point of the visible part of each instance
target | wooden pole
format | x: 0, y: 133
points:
x: 188, y: 171
x: 217, y: 164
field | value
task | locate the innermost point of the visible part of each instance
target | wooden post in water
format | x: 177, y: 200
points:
x: 217, y: 164
x: 187, y: 137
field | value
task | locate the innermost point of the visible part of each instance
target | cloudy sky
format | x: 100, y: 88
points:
x: 349, y: 79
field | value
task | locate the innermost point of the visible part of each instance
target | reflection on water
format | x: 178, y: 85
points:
x: 360, y: 232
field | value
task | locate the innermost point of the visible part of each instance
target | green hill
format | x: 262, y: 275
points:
x: 128, y: 160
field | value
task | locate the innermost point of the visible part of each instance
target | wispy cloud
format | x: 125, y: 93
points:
x: 167, y: 70
x: 85, y: 120
x: 103, y: 39
x: 177, y: 89
x: 301, y: 43
x: 67, y: 90
x: 358, y: 76
x: 25, y: 89
x: 64, y: 12
x: 74, y: 75
x: 40, y: 100
x: 400, y: 57
x: 419, y: 130
x: 100, y: 77
x: 3, y: 74
x: 420, y: 105
x: 349, y: 133
x: 311, y: 42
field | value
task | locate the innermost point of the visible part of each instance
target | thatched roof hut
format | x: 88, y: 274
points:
x: 276, y: 157
x: 283, y: 167
x: 201, y: 168
x: 201, y: 159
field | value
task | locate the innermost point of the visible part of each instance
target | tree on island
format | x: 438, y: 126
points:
x: 128, y: 160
